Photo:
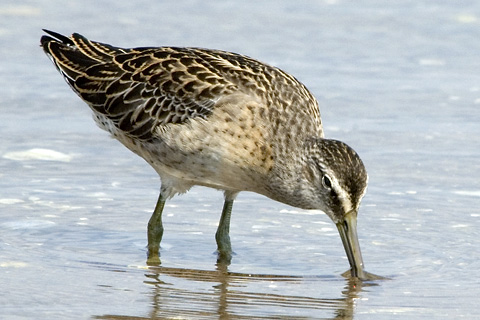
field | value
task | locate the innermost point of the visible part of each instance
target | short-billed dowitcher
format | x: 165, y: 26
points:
x: 216, y: 119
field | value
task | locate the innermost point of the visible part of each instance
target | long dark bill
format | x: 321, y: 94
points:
x: 348, y: 232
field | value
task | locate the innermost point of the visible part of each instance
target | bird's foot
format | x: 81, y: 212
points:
x: 153, y: 258
x: 224, y: 258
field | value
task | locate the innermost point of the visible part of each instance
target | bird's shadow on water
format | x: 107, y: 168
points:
x: 221, y: 294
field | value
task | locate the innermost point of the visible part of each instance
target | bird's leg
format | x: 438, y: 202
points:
x: 222, y: 236
x: 155, y: 232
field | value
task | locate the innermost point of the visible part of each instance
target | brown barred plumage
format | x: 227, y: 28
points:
x: 217, y: 119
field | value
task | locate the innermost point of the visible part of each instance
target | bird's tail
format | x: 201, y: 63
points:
x: 73, y: 56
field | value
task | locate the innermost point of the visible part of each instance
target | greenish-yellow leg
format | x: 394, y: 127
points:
x: 155, y: 232
x: 222, y: 236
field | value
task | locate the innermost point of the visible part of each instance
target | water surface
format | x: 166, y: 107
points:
x: 398, y: 81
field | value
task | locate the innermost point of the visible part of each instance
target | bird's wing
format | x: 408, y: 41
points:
x: 141, y: 89
x: 138, y: 89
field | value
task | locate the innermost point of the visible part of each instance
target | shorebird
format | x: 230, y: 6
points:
x: 216, y: 119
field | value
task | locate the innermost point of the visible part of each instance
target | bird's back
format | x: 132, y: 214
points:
x: 177, y: 107
x: 142, y: 88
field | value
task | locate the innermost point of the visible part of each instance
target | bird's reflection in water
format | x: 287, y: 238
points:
x: 220, y: 294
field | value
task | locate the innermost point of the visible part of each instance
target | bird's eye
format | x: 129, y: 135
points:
x: 327, y: 183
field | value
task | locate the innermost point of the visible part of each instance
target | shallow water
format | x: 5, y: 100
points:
x: 399, y: 82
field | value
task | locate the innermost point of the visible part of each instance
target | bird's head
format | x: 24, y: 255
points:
x: 338, y: 181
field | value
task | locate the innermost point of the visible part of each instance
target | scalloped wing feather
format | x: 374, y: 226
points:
x: 142, y: 89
